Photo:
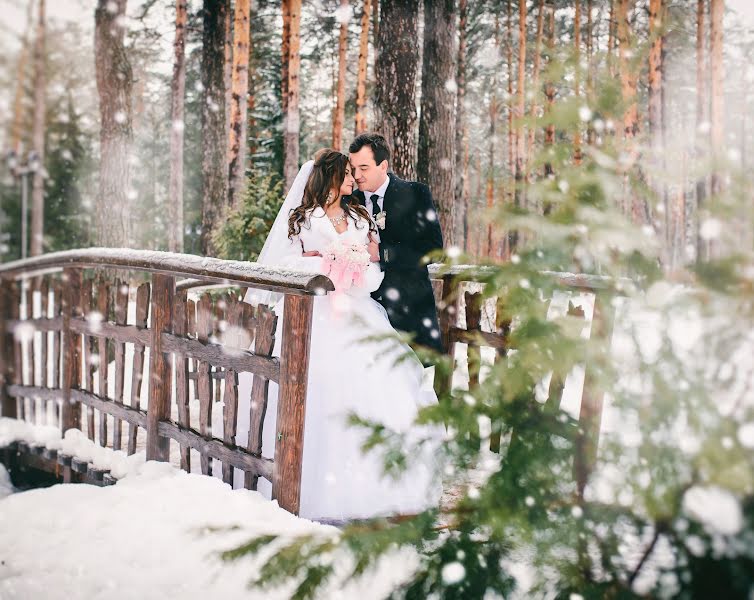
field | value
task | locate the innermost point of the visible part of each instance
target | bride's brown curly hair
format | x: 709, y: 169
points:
x: 328, y: 173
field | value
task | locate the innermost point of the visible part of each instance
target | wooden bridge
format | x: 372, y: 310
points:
x: 63, y: 315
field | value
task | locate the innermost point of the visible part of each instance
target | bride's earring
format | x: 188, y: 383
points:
x: 330, y: 198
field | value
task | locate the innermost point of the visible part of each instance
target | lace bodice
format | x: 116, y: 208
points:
x: 317, y: 233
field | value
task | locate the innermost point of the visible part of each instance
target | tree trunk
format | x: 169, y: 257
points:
x: 509, y: 89
x: 611, y: 39
x: 177, y: 100
x: 214, y: 136
x: 717, y: 125
x: 23, y: 57
x: 462, y: 154
x: 550, y: 88
x: 702, y: 106
x: 521, y: 104
x: 627, y: 75
x: 535, y: 75
x: 114, y: 82
x: 228, y: 70
x: 437, y: 136
x: 339, y: 114
x: 238, y: 103
x: 375, y: 21
x: 589, y: 67
x: 628, y: 79
x: 38, y: 137
x: 285, y: 52
x: 292, y: 123
x: 577, y: 76
x: 489, y: 250
x: 395, y: 89
x: 655, y: 91
x: 361, y: 80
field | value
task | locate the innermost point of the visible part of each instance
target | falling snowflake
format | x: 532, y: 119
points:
x: 453, y: 573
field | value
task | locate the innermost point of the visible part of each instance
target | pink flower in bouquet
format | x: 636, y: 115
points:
x: 345, y: 264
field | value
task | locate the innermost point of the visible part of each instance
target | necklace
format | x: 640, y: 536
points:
x: 339, y: 219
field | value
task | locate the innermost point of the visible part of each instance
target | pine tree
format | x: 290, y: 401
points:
x: 395, y: 87
x: 114, y: 83
x: 177, y: 100
x: 437, y: 138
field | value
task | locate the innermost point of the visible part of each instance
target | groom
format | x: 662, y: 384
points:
x: 409, y: 228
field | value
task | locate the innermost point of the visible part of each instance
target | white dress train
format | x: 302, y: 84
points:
x: 349, y: 375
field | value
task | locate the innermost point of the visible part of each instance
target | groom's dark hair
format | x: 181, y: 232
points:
x: 376, y: 142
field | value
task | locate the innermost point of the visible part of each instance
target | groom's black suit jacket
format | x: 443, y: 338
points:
x: 412, y: 229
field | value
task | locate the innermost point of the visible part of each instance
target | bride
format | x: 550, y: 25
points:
x: 347, y: 375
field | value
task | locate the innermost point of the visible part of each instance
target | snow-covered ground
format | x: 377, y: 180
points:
x: 156, y: 534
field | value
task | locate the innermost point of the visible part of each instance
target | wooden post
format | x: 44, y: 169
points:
x: 447, y: 317
x: 163, y: 292
x: 294, y: 371
x: 7, y: 403
x: 592, y: 400
x: 71, y: 410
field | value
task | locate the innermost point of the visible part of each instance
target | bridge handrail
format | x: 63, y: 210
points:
x: 216, y: 270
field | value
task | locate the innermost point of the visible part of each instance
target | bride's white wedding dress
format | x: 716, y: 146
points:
x: 349, y: 375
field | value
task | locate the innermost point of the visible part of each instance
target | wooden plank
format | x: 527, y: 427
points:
x: 89, y: 352
x: 121, y: 312
x: 231, y: 338
x: 44, y: 301
x: 17, y: 378
x: 51, y: 324
x: 478, y: 338
x: 71, y: 410
x: 213, y: 448
x: 137, y: 372
x: 182, y: 377
x: 160, y: 381
x: 266, y: 323
x: 204, y: 384
x: 216, y: 354
x: 227, y: 272
x: 294, y: 370
x: 28, y: 349
x: 191, y: 333
x: 7, y: 402
x: 57, y: 310
x: 103, y: 307
x: 219, y: 323
x: 125, y: 413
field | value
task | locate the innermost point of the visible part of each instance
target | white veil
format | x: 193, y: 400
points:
x: 277, y: 247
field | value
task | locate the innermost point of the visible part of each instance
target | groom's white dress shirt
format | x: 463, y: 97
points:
x: 380, y: 191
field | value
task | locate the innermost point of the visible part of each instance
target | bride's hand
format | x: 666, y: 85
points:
x: 374, y: 250
x: 311, y: 253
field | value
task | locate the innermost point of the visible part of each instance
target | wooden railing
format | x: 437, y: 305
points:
x: 457, y: 305
x: 61, y: 321
x: 61, y: 318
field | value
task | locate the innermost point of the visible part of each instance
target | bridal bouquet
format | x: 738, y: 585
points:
x: 345, y: 264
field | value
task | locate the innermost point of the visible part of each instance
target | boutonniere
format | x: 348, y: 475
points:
x: 379, y: 219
